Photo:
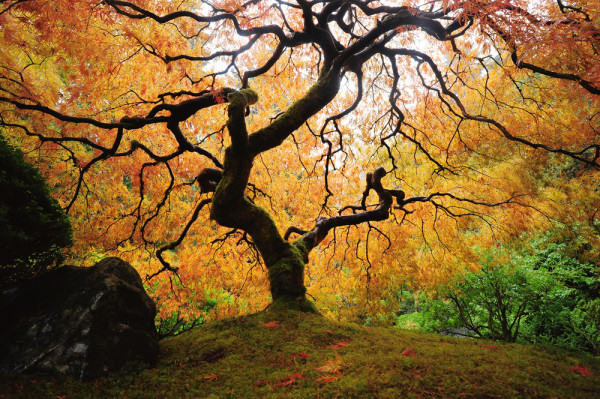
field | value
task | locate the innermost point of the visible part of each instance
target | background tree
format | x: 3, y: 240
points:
x: 453, y: 107
x: 35, y: 230
x: 546, y: 291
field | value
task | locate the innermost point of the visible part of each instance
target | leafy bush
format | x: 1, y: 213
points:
x: 34, y: 228
x: 409, y: 314
x: 567, y: 316
x: 492, y: 302
x: 186, y: 315
x: 176, y: 323
x: 542, y: 295
x: 410, y: 321
x: 589, y: 329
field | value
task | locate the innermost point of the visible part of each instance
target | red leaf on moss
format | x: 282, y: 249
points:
x: 272, y: 324
x: 340, y: 344
x: 326, y: 379
x: 581, y: 370
x: 410, y: 352
x: 291, y: 380
x: 301, y: 354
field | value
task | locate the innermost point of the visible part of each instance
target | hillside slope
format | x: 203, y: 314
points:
x: 295, y: 355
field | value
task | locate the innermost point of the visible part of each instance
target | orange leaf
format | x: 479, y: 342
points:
x: 211, y: 377
x: 410, y: 352
x: 340, y: 344
x: 272, y: 324
x: 331, y: 366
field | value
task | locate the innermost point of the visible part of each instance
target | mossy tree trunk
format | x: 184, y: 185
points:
x: 231, y: 208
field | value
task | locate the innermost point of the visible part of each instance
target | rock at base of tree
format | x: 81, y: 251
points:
x: 82, y: 322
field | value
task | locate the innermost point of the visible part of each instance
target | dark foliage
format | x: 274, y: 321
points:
x: 34, y: 229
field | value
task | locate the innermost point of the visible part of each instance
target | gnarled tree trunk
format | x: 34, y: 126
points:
x: 231, y: 208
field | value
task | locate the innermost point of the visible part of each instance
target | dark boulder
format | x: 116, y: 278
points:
x: 82, y: 322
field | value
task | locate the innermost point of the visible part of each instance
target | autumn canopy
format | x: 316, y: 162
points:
x: 346, y: 148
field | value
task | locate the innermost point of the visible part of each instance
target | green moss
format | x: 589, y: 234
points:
x: 263, y: 355
x: 300, y: 304
x: 243, y: 97
x: 303, y: 249
x: 286, y: 276
x: 284, y: 266
x: 251, y: 96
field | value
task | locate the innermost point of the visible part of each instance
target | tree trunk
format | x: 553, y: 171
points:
x: 286, y: 277
x: 284, y: 261
x: 231, y: 208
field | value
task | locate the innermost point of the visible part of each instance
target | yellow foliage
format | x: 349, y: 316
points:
x: 449, y: 153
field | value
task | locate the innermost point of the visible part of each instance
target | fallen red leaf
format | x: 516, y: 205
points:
x: 287, y: 381
x: 410, y: 352
x: 340, y: 344
x: 272, y: 324
x: 326, y: 379
x: 581, y: 370
x: 211, y: 377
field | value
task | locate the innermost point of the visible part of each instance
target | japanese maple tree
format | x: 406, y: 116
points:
x: 152, y: 117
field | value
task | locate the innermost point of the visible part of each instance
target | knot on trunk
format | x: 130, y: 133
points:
x: 242, y: 98
x: 209, y: 179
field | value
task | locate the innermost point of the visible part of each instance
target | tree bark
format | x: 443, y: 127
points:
x: 231, y: 208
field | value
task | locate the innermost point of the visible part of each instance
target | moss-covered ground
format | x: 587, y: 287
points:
x: 297, y: 355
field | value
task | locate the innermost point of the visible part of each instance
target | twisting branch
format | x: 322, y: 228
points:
x: 381, y: 212
x: 137, y: 12
x: 293, y: 230
x: 10, y: 5
x: 520, y: 63
x: 361, y: 213
x: 209, y: 179
x: 463, y: 113
x: 174, y: 244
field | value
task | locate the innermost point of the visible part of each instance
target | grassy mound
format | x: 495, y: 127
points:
x: 296, y: 355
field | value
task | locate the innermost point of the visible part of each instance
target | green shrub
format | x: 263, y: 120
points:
x: 176, y: 324
x: 34, y: 228
x: 543, y: 295
x: 566, y: 317
x: 491, y: 303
